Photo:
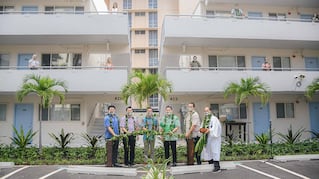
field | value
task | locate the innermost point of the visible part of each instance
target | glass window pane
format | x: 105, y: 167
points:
x: 226, y: 61
x: 79, y: 10
x: 60, y: 112
x: 241, y: 61
x: 280, y: 109
x: 77, y: 59
x: 277, y: 63
x: 286, y: 63
x: 127, y: 4
x: 49, y: 10
x: 4, y: 61
x: 3, y: 112
x: 152, y: 4
x: 290, y: 110
x: 242, y: 111
x: 152, y: 19
x: 153, y: 38
x: 46, y: 60
x: 215, y: 109
x: 75, y: 112
x: 212, y: 61
x: 153, y: 57
x: 45, y: 113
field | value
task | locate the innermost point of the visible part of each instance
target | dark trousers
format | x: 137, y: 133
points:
x: 129, y: 150
x: 171, y: 144
x: 111, y: 152
x: 197, y: 155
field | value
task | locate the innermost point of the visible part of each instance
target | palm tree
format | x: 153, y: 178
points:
x: 248, y: 87
x: 142, y: 86
x: 44, y: 87
x: 312, y: 88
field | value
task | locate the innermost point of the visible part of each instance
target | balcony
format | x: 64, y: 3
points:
x: 85, y: 28
x: 208, y: 80
x: 229, y: 32
x: 84, y: 80
x: 286, y: 3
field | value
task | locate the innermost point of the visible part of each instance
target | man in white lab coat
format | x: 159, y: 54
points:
x: 211, y: 151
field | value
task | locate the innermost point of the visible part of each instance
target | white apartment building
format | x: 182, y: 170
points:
x: 73, y: 38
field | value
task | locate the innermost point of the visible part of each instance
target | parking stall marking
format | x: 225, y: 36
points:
x: 52, y: 173
x: 258, y: 171
x: 14, y: 172
x: 286, y: 170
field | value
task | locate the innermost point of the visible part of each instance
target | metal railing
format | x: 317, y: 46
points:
x: 65, y: 67
x: 66, y: 12
x: 239, y: 69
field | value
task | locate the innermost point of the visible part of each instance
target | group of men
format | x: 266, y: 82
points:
x: 168, y: 126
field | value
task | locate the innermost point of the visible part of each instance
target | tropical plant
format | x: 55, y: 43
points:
x: 262, y: 138
x: 156, y: 171
x: 315, y: 134
x: 312, y: 88
x: 21, y: 139
x: 63, y: 139
x: 44, y: 87
x: 91, y: 141
x: 141, y: 86
x: 247, y: 87
x: 291, y: 137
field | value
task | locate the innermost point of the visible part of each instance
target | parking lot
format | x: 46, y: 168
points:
x: 243, y: 169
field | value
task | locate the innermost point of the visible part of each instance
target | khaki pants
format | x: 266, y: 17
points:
x: 149, y: 149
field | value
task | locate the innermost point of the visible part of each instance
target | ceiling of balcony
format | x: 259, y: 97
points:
x: 293, y: 3
x: 62, y: 39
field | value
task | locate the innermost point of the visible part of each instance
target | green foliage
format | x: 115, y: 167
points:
x: 156, y: 171
x: 141, y: 86
x: 92, y: 141
x: 21, y: 139
x: 230, y: 138
x: 315, y: 134
x: 312, y: 88
x: 63, y: 139
x: 291, y: 137
x: 201, y: 143
x: 262, y: 138
x: 248, y: 87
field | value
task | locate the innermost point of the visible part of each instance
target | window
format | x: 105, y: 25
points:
x: 6, y: 9
x: 227, y: 62
x: 61, y: 60
x: 306, y: 17
x: 140, y: 32
x: 281, y: 63
x: 152, y: 38
x: 127, y: 4
x: 152, y: 21
x: 62, y: 112
x: 255, y: 15
x: 139, y: 13
x: 277, y: 16
x: 64, y: 9
x: 4, y: 61
x: 3, y: 112
x: 139, y: 51
x: 285, y: 110
x: 153, y: 100
x: 129, y: 19
x: 210, y: 13
x: 152, y: 4
x: 153, y: 57
x: 231, y: 111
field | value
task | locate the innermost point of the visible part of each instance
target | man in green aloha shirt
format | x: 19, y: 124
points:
x: 169, y: 125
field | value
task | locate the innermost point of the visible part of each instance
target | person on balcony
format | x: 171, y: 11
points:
x: 108, y: 64
x: 34, y: 63
x: 213, y: 129
x: 192, y: 123
x: 236, y: 12
x: 149, y: 124
x: 266, y: 66
x: 315, y: 17
x: 114, y: 8
x: 128, y: 125
x: 169, y: 126
x: 195, y: 65
x: 112, y: 129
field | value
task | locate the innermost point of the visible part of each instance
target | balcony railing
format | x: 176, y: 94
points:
x: 79, y: 79
x: 215, y: 79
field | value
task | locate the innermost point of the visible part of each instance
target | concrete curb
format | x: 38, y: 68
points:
x: 178, y: 170
x: 297, y: 157
x: 102, y: 170
x: 6, y: 164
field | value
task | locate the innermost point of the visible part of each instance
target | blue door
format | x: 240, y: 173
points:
x: 314, y: 116
x: 261, y: 118
x: 23, y: 116
x: 306, y: 17
x: 312, y: 63
x: 256, y: 62
x: 255, y: 15
x: 29, y: 9
x: 23, y: 61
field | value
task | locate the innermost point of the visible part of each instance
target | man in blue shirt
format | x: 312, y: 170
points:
x: 112, y: 128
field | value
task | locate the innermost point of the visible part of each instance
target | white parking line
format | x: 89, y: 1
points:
x: 16, y: 171
x: 257, y: 171
x: 52, y: 173
x: 286, y: 170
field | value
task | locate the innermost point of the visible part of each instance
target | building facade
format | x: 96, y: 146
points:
x: 230, y: 39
